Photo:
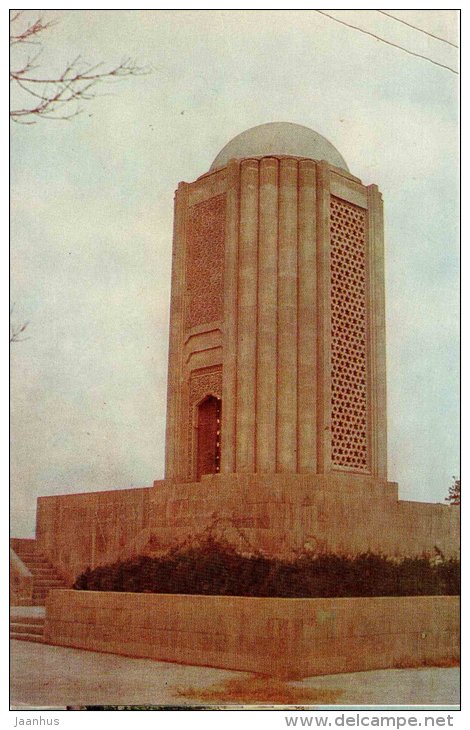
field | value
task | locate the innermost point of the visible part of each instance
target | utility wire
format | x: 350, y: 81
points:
x: 415, y: 27
x: 389, y: 43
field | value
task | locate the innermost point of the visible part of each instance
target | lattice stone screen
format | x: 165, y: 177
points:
x: 348, y: 336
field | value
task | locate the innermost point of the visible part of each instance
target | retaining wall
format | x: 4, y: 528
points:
x: 285, y: 637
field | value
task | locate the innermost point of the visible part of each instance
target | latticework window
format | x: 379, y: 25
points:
x: 348, y: 336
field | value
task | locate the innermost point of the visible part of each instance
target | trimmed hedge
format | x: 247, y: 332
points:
x: 215, y: 568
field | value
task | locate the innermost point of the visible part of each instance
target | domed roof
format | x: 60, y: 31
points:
x: 279, y: 138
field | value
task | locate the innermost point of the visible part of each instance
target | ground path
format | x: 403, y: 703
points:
x: 46, y: 676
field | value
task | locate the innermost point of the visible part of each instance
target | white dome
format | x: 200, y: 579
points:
x: 279, y: 138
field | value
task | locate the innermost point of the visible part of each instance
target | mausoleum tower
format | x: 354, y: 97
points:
x: 277, y: 325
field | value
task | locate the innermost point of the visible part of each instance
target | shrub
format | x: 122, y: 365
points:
x: 216, y: 568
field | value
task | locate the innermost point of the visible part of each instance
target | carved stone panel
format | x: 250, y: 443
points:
x: 205, y: 262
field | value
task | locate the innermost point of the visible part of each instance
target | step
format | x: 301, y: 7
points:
x: 39, y: 620
x: 44, y: 592
x: 42, y: 569
x: 26, y: 628
x: 23, y: 542
x: 46, y: 587
x: 27, y: 637
x: 38, y: 566
x: 25, y: 550
x: 47, y: 581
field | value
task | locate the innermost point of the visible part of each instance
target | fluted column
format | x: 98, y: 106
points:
x: 287, y: 318
x: 229, y: 388
x: 247, y: 317
x: 307, y: 344
x: 172, y: 440
x: 323, y: 320
x: 266, y: 371
x: 377, y: 405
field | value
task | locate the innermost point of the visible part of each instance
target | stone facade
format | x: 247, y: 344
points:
x: 278, y: 285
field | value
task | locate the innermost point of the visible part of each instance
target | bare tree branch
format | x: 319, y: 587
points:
x: 31, y: 30
x: 51, y: 94
x: 15, y: 333
x: 17, y: 330
x: 42, y: 95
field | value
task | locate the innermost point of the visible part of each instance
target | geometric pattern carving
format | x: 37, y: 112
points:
x: 203, y: 382
x: 348, y: 336
x: 205, y: 261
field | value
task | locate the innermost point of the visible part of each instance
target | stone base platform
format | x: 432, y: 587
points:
x: 279, y: 514
x: 283, y: 637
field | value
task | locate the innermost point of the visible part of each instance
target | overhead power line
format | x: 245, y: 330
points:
x: 415, y: 27
x: 389, y: 43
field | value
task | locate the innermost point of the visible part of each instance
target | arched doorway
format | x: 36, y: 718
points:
x: 209, y: 420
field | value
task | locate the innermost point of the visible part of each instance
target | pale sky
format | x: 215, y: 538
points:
x: 92, y: 215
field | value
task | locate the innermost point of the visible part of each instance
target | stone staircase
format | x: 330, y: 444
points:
x: 24, y: 627
x: 45, y: 577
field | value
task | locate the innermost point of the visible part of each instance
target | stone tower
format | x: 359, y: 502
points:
x: 277, y: 329
x: 276, y: 423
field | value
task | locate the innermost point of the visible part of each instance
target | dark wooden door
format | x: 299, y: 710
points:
x: 208, y: 436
